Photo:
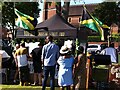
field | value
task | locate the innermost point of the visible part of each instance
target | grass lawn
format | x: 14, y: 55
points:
x: 17, y: 87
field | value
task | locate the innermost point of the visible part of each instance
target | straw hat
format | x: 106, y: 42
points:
x: 64, y: 50
x: 68, y: 43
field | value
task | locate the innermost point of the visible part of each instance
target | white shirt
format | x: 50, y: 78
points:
x: 112, y: 52
x: 21, y: 54
x: 22, y: 60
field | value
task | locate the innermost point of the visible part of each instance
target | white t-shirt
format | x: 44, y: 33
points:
x: 112, y: 52
x: 22, y: 60
x: 21, y: 54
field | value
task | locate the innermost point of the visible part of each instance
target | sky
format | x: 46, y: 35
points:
x: 86, y: 1
x: 78, y: 2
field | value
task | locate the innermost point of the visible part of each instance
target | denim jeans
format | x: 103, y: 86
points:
x: 46, y: 71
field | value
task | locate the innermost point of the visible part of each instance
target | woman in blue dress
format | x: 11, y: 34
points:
x: 65, y: 74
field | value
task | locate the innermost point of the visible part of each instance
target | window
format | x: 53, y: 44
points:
x: 69, y: 19
x: 79, y: 19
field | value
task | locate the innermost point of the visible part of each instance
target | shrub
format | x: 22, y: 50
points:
x: 114, y: 38
x: 94, y: 38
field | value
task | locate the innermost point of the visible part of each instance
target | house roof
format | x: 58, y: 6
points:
x: 56, y: 22
x: 77, y: 9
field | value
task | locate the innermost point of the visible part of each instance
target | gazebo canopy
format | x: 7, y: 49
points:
x: 57, y: 26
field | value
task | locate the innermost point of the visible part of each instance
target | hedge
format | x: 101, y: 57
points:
x: 115, y: 38
x: 94, y: 38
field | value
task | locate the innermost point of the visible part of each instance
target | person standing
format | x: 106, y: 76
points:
x: 37, y: 64
x: 79, y: 76
x: 50, y: 55
x: 65, y: 75
x: 112, y: 52
x: 21, y: 57
x: 16, y: 72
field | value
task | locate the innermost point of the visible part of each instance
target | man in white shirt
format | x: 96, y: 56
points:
x: 112, y: 52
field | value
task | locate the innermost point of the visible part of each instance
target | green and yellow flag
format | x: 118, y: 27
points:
x: 101, y: 24
x: 93, y: 23
x: 25, y: 21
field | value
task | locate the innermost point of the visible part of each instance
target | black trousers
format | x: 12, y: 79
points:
x: 24, y: 74
x: 46, y: 71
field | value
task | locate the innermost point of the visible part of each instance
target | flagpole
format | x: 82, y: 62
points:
x: 86, y: 31
x: 100, y: 32
x: 88, y: 60
x: 13, y: 36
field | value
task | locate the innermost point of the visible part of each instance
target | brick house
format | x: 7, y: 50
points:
x: 3, y: 33
x: 75, y: 13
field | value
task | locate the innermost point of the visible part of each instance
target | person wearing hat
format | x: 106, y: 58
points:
x: 65, y: 62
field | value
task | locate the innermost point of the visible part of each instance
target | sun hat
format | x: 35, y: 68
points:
x: 68, y: 43
x: 64, y: 50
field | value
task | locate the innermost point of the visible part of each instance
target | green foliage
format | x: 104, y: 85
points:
x: 29, y: 8
x: 94, y: 38
x: 114, y: 38
x: 7, y: 14
x: 107, y: 12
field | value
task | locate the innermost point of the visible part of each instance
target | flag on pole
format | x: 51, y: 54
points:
x: 93, y: 23
x: 101, y: 24
x: 25, y: 21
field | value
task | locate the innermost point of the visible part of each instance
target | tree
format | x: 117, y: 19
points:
x: 8, y: 15
x: 29, y: 8
x: 107, y: 12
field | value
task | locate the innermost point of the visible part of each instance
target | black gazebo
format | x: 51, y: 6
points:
x: 57, y: 27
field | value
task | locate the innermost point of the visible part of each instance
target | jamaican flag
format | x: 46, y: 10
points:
x: 25, y: 21
x: 93, y: 23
